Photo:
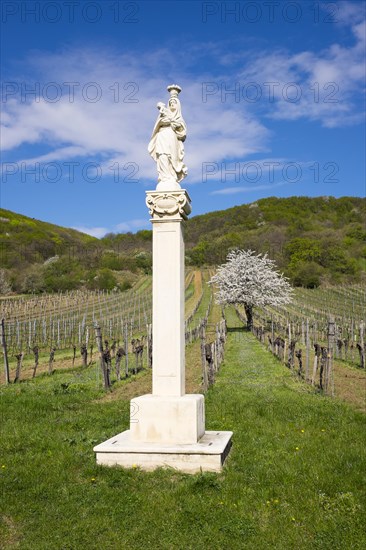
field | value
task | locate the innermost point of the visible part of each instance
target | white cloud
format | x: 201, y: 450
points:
x: 247, y: 189
x: 60, y: 153
x: 132, y: 225
x: 123, y: 227
x: 116, y: 129
x: 329, y: 84
x: 344, y: 12
x: 98, y: 232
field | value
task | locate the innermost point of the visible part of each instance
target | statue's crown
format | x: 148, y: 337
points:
x: 174, y: 90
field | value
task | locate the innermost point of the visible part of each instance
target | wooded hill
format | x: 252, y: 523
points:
x: 36, y: 256
x: 313, y: 240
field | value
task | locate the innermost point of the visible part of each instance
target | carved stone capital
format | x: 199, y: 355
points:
x: 168, y: 205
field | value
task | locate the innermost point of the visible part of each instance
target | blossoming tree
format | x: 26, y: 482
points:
x: 251, y: 280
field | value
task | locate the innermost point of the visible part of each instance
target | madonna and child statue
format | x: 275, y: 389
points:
x: 166, y: 144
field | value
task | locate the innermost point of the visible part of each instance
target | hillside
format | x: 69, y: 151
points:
x: 42, y: 257
x: 313, y: 240
x: 30, y: 240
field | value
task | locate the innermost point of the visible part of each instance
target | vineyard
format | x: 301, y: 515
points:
x: 63, y: 320
x: 294, y: 474
x: 70, y: 327
x: 320, y: 335
x: 316, y: 316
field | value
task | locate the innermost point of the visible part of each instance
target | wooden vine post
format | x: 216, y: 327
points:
x: 307, y: 365
x: 51, y: 360
x: 103, y: 366
x: 272, y: 335
x: 19, y: 358
x: 329, y: 369
x: 5, y: 352
x: 149, y: 346
x: 361, y: 345
x: 119, y: 354
x: 317, y: 354
x: 203, y: 358
x: 84, y: 354
x: 126, y: 350
x: 36, y: 360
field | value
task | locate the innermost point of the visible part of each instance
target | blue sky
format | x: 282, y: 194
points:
x: 272, y: 94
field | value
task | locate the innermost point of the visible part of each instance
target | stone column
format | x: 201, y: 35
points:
x: 168, y: 415
x: 168, y: 211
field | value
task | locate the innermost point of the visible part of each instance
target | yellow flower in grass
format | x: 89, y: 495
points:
x: 93, y: 480
x: 297, y: 448
x: 3, y: 467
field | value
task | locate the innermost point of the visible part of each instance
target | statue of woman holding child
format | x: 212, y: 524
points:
x: 166, y: 144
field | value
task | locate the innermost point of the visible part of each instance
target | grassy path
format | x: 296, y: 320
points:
x: 295, y: 477
x: 299, y: 458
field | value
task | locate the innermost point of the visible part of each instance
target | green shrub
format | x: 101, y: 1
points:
x: 306, y: 274
x: 144, y: 261
x: 103, y: 280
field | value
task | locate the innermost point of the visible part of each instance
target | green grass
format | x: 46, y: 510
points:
x: 201, y: 311
x: 189, y: 291
x: 295, y: 476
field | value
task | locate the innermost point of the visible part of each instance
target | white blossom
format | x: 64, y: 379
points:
x: 250, y: 279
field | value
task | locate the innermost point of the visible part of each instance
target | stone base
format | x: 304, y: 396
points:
x: 208, y: 455
x: 167, y: 420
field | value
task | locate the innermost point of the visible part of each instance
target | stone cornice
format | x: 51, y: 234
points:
x: 168, y: 205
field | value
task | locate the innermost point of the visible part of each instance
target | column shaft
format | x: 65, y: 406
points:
x: 168, y: 308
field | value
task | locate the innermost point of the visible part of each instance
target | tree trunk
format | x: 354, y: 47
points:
x: 249, y: 313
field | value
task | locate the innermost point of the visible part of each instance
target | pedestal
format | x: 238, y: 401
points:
x: 168, y: 419
x: 167, y: 427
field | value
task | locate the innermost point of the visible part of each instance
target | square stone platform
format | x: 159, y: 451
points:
x: 207, y: 455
